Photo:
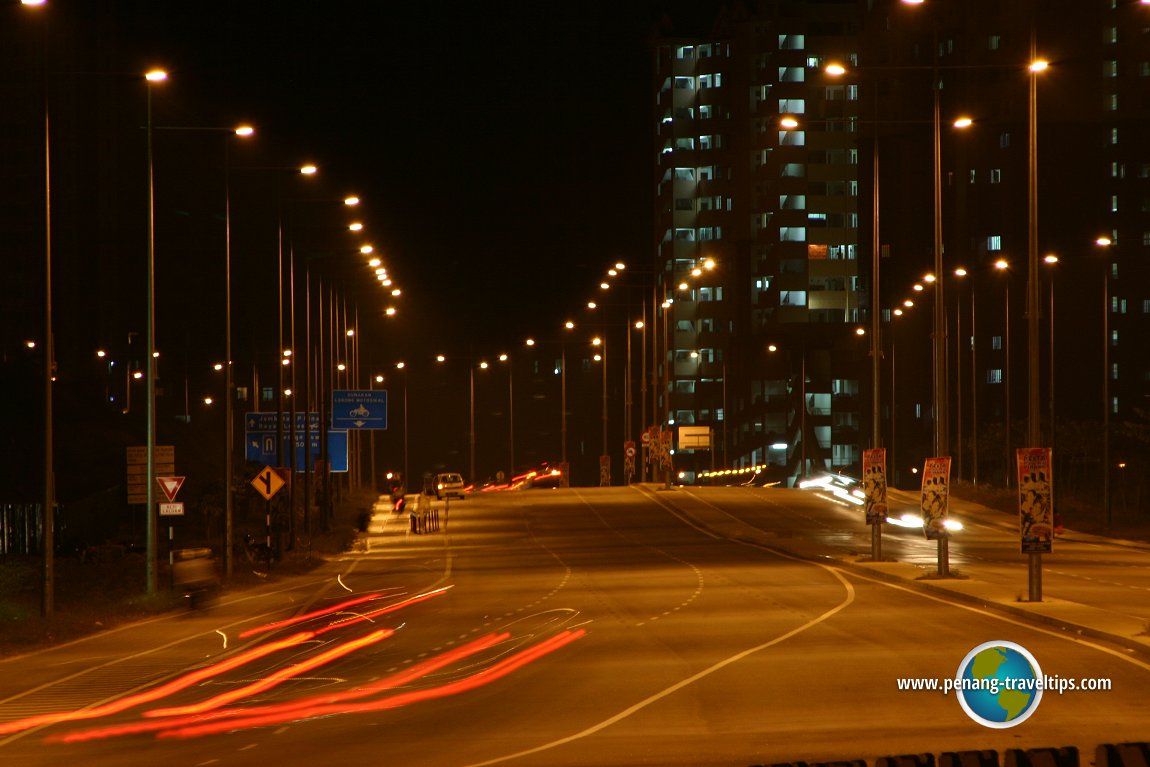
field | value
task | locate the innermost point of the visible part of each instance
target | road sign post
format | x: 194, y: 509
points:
x: 267, y: 483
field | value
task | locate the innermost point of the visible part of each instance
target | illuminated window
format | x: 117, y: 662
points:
x: 994, y: 376
x: 792, y: 106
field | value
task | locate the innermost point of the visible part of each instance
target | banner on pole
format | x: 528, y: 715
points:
x: 874, y: 485
x: 935, y: 500
x: 1035, y: 499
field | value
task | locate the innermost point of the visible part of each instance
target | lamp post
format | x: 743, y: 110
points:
x: 403, y: 366
x: 229, y: 382
x: 642, y: 326
x: 1106, y: 243
x: 48, y: 521
x: 510, y: 412
x: 1033, y: 296
x: 1002, y: 265
x: 154, y: 76
x: 1050, y: 260
x: 569, y: 326
x: 471, y: 429
x: 604, y: 469
x: 961, y: 273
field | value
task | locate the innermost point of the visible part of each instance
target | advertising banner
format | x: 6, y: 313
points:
x: 874, y: 485
x: 1035, y: 499
x: 935, y: 496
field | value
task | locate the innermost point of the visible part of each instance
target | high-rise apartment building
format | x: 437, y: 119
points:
x: 757, y: 231
x: 787, y: 215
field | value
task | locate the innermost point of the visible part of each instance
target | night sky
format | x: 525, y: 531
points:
x: 502, y: 151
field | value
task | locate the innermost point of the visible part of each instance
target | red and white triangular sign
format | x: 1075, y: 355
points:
x: 171, y: 485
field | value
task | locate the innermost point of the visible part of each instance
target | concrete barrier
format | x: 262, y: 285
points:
x: 1122, y: 755
x: 968, y: 759
x: 1067, y: 756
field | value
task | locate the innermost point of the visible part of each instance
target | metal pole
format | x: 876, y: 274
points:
x: 1033, y: 301
x: 875, y: 337
x: 973, y: 393
x: 602, y: 478
x: 229, y: 393
x: 48, y: 579
x: 643, y: 396
x: 958, y: 385
x: 292, y: 462
x: 1106, y: 395
x: 511, y: 414
x: 1008, y: 442
x: 471, y: 429
x: 563, y: 408
x: 405, y: 474
x: 308, y: 461
x: 279, y: 345
x: 150, y: 363
x: 941, y: 397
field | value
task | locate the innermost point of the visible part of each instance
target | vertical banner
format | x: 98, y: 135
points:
x: 874, y: 485
x: 1035, y: 499
x: 935, y: 496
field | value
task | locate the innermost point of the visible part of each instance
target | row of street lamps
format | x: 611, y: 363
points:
x: 152, y: 79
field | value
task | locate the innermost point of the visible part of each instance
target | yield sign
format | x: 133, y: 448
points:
x: 170, y: 485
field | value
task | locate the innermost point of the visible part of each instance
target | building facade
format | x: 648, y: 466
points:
x: 788, y: 216
x: 757, y: 241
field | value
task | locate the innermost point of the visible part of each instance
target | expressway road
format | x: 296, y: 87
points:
x: 610, y: 627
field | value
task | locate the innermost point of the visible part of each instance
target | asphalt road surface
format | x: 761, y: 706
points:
x: 610, y: 627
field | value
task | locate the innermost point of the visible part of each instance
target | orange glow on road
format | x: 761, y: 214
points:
x: 162, y: 691
x: 308, y: 616
x: 275, y: 679
x: 184, y: 725
x: 479, y: 679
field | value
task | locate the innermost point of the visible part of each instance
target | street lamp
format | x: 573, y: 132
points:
x: 1003, y: 266
x: 568, y: 326
x: 641, y: 325
x: 48, y: 521
x: 1105, y: 242
x: 510, y: 412
x: 229, y: 396
x: 1033, y: 297
x: 150, y: 78
x: 403, y: 367
x: 604, y: 460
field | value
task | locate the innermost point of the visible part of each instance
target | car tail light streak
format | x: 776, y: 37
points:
x: 476, y: 663
x: 276, y: 678
x: 157, y: 693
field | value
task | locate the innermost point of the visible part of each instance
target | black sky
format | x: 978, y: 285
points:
x: 502, y: 150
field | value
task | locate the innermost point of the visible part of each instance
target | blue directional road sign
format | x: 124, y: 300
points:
x: 359, y: 409
x: 260, y: 440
